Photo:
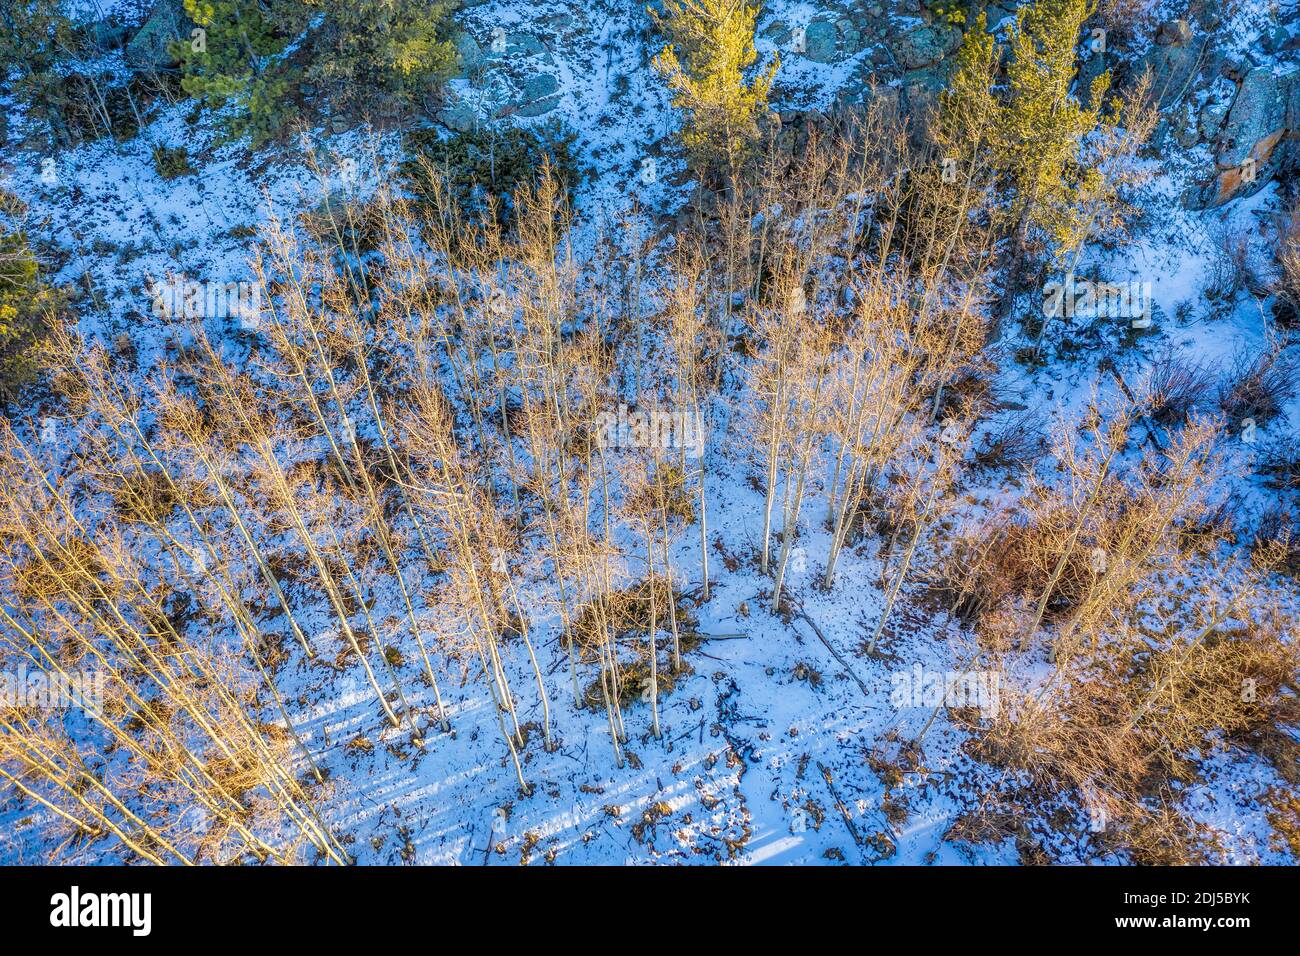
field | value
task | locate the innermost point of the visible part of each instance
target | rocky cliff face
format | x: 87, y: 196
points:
x: 1243, y: 104
x: 1231, y: 100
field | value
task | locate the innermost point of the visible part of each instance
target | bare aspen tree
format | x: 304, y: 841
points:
x: 1087, y: 475
x: 807, y: 428
x: 921, y: 509
x: 696, y: 347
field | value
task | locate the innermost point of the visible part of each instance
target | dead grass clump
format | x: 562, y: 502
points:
x: 1258, y: 387
x: 1179, y: 390
x: 1278, y: 538
x: 1288, y: 260
x: 1229, y: 266
x: 70, y: 565
x: 1235, y: 682
x: 633, y: 683
x: 1018, y: 442
x: 1283, y: 812
x: 1165, y: 837
x: 668, y: 489
x: 1016, y: 561
x: 1129, y: 725
x: 628, y: 612
x: 985, y: 826
x: 148, y: 497
x: 1279, y: 462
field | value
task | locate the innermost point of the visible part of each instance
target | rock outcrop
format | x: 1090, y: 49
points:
x: 1247, y: 114
x: 150, y: 47
x: 925, y: 45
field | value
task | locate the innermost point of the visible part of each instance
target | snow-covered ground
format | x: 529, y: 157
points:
x: 775, y: 746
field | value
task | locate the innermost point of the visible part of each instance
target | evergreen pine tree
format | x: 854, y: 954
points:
x: 1043, y: 124
x: 705, y: 63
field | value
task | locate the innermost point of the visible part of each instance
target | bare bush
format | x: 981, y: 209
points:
x: 1287, y: 250
x: 1258, y: 387
x: 1278, y: 536
x: 1122, y: 731
x: 1229, y: 265
x: 1018, y: 441
x: 1179, y: 389
x: 1279, y: 462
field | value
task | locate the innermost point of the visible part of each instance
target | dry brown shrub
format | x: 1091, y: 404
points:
x: 1179, y: 389
x: 1283, y: 812
x: 1122, y: 729
x: 1288, y: 259
x: 628, y: 611
x: 1258, y: 387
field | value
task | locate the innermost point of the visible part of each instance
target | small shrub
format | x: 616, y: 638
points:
x: 1179, y: 389
x: 1278, y: 538
x: 483, y: 168
x: 628, y: 612
x: 1288, y: 259
x: 147, y: 497
x: 26, y: 305
x: 1229, y: 266
x: 1284, y: 816
x: 353, y: 225
x: 1019, y: 441
x: 1011, y: 561
x: 1279, y: 462
x: 171, y: 162
x: 1258, y: 388
x: 668, y: 488
x: 1132, y: 724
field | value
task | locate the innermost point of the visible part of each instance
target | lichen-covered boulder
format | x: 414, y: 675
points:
x: 539, y: 95
x: 1174, y: 33
x: 1173, y: 67
x: 150, y: 47
x: 1257, y: 137
x: 821, y: 41
x: 925, y: 45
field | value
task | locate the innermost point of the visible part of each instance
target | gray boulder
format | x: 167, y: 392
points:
x: 150, y: 48
x: 1174, y: 33
x: 919, y: 96
x: 779, y: 33
x: 471, y: 53
x: 525, y: 44
x: 1210, y: 120
x: 850, y: 36
x: 821, y: 40
x: 1257, y: 120
x: 539, y: 95
x: 925, y: 45
x: 540, y: 86
x: 1091, y: 66
x: 105, y: 34
x: 1173, y: 69
x: 457, y: 116
x: 1256, y: 139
